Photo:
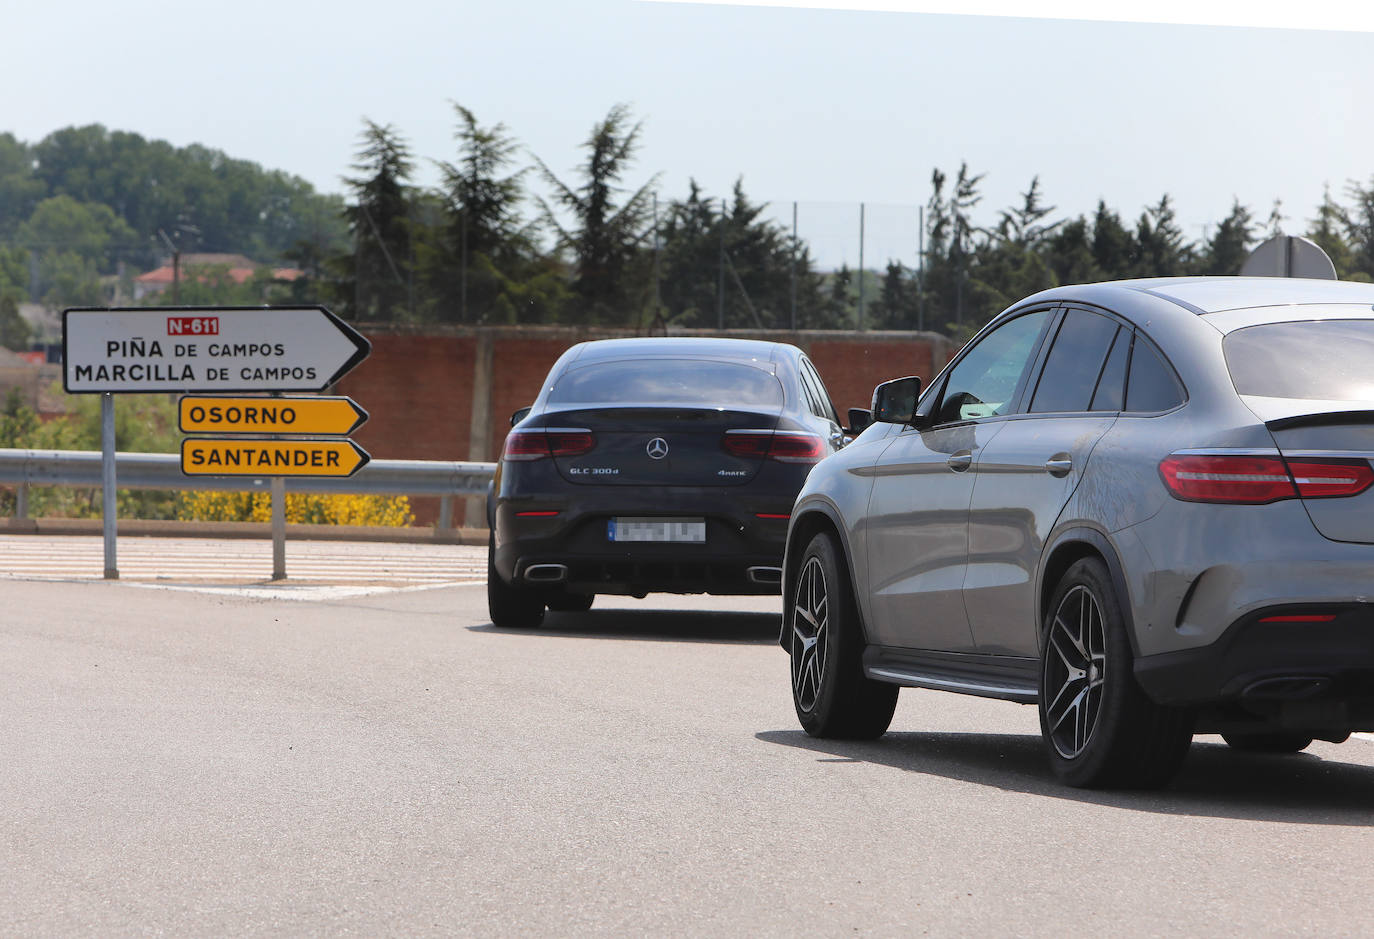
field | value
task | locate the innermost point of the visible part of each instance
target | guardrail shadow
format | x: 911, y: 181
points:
x: 723, y: 626
x: 1215, y: 782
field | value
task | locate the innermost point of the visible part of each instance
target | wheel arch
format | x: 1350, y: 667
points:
x: 1065, y: 550
x: 815, y: 518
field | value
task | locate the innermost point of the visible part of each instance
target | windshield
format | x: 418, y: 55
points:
x: 1320, y: 360
x: 668, y: 381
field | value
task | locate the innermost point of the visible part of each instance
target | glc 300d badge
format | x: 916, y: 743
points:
x: 657, y: 448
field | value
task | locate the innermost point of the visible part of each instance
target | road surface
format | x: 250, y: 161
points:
x: 200, y: 758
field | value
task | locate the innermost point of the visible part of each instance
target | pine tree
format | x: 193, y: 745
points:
x: 482, y: 245
x: 610, y: 282
x: 1114, y: 248
x: 1328, y: 232
x: 1226, y: 251
x: 376, y: 282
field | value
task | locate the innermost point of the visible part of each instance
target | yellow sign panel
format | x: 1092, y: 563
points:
x: 311, y: 416
x: 203, y: 457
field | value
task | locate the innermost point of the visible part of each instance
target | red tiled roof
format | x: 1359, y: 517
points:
x: 164, y: 275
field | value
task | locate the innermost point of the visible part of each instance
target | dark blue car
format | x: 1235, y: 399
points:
x: 655, y: 466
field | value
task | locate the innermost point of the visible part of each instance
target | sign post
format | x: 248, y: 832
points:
x: 109, y: 499
x: 262, y: 350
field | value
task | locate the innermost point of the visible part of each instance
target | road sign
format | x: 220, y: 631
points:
x: 206, y: 349
x: 1289, y: 256
x: 310, y: 416
x: 247, y: 457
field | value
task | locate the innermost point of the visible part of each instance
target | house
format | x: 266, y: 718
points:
x: 241, y: 269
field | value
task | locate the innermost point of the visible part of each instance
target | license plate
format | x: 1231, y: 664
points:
x: 692, y: 530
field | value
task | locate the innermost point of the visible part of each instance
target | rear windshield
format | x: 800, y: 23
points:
x: 668, y: 381
x: 1320, y: 360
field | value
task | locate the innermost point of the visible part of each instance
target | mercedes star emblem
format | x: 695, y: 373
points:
x: 657, y: 448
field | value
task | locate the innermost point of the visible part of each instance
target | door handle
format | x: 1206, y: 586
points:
x: 1059, y: 465
x: 960, y: 461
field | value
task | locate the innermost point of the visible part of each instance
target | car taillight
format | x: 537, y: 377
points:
x: 570, y: 443
x: 1255, y: 480
x: 1318, y: 478
x: 538, y: 444
x: 785, y: 447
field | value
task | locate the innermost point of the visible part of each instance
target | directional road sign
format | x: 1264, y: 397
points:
x: 246, y: 457
x: 206, y: 349
x: 309, y: 416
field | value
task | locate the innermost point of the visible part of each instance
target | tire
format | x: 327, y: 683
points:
x: 1277, y: 742
x: 510, y: 607
x: 1099, y: 727
x: 570, y: 602
x: 830, y: 692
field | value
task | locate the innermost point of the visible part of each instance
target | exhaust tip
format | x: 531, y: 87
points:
x: 1287, y: 688
x: 765, y: 575
x: 546, y: 573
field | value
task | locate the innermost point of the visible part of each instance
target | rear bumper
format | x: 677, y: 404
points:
x: 1297, y: 673
x: 739, y: 557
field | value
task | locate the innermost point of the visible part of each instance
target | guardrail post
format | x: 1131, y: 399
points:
x: 278, y: 528
x: 21, y: 501
x: 445, y: 522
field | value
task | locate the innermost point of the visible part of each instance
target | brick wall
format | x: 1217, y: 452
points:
x: 420, y: 387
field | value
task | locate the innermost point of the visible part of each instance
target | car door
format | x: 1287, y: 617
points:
x: 917, y: 523
x: 1025, y: 476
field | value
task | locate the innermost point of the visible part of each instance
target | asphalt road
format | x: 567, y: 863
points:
x: 189, y: 763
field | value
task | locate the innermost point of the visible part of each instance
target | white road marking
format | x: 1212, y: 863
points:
x: 315, y: 569
x: 311, y: 592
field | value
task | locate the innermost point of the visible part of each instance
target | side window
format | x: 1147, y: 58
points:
x: 985, y: 381
x: 808, y: 391
x: 1075, y: 362
x: 820, y: 404
x: 1152, y: 385
x: 1111, y: 387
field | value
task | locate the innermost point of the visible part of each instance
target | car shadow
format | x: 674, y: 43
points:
x: 655, y: 626
x: 1215, y: 782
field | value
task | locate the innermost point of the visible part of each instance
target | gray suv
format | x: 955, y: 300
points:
x: 1142, y: 506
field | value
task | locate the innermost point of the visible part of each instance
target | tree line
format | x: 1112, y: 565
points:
x: 483, y: 247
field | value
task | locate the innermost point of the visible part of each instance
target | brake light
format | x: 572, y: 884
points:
x: 538, y: 444
x: 785, y: 447
x: 525, y: 445
x: 1318, y: 478
x: 797, y: 448
x: 1257, y: 480
x: 570, y: 443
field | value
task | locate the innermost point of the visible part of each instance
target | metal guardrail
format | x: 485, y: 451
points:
x: 82, y: 468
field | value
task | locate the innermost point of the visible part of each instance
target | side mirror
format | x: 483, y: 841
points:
x: 518, y: 415
x: 859, y: 420
x: 894, y: 402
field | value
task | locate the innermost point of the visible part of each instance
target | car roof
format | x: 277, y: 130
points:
x: 741, y: 350
x: 1207, y: 295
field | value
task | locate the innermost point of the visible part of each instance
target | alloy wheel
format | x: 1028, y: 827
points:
x: 810, y: 617
x: 1075, y: 671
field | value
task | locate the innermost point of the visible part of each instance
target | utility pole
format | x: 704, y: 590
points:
x: 176, y: 266
x: 720, y: 272
x: 794, y: 266
x: 921, y: 267
x: 862, y: 278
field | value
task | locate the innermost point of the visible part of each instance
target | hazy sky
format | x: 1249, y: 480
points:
x: 826, y: 106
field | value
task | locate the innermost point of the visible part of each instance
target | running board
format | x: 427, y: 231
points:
x: 1015, y: 683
